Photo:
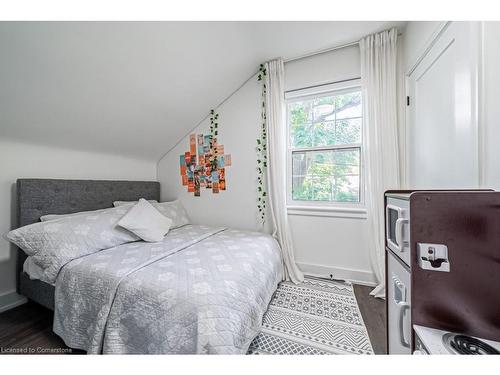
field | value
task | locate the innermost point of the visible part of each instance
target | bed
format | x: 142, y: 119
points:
x: 202, y: 289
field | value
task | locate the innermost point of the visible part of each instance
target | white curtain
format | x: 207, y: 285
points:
x: 378, y: 73
x: 276, y: 165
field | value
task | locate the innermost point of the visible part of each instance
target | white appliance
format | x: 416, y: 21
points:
x: 398, y: 274
x: 435, y: 341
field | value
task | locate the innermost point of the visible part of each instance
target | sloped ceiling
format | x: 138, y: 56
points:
x: 135, y: 88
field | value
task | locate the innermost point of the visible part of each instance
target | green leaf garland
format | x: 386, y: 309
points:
x: 262, y: 150
x: 214, y: 131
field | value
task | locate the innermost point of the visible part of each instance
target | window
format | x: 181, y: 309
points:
x: 325, y: 145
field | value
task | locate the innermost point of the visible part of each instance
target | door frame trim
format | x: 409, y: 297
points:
x: 428, y: 46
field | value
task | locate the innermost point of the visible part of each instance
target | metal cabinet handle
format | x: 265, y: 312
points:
x: 403, y: 306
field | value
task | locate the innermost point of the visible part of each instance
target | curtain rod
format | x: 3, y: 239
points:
x: 330, y: 49
x: 321, y: 51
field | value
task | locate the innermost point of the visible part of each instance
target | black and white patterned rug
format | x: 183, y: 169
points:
x: 315, y: 317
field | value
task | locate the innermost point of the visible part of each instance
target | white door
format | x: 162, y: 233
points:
x: 442, y: 111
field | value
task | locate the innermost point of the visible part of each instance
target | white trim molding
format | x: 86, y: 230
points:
x: 329, y: 211
x: 427, y: 46
x: 11, y: 299
x: 360, y: 277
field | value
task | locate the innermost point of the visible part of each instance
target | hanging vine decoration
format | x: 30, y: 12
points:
x: 262, y: 150
x: 214, y: 123
x: 214, y: 131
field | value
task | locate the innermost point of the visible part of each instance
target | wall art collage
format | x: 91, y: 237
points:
x: 204, y: 165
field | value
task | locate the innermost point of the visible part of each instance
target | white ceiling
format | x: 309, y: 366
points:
x: 135, y: 88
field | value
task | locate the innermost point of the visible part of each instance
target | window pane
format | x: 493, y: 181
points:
x: 348, y: 131
x: 315, y: 122
x: 331, y: 175
x: 324, y: 133
x: 348, y: 105
x: 300, y: 123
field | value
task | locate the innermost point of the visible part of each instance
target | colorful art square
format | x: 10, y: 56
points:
x: 192, y: 144
x: 215, y: 176
x: 201, y: 140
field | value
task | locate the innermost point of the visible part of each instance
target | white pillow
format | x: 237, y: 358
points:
x: 123, y: 203
x: 173, y: 210
x: 146, y: 222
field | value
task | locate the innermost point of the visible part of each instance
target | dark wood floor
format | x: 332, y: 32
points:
x: 28, y: 328
x: 373, y: 312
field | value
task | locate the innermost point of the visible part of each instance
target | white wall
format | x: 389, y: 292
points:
x: 239, y: 127
x: 417, y: 38
x: 18, y: 160
x: 324, y: 245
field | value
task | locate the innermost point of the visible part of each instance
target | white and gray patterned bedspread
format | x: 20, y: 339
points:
x: 201, y: 290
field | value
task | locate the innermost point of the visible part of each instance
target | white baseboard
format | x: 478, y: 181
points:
x: 354, y: 276
x: 9, y: 300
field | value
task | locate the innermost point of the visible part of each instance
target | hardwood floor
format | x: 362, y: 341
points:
x: 28, y: 328
x: 373, y: 313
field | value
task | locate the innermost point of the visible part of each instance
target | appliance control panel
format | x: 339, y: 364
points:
x: 433, y: 257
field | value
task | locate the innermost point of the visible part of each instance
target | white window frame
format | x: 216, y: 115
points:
x: 325, y: 208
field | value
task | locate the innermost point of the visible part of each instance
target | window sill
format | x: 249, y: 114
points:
x: 341, y: 212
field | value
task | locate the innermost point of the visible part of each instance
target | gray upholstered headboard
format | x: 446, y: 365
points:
x: 38, y: 197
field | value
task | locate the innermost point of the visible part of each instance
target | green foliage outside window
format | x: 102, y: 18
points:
x: 331, y: 121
